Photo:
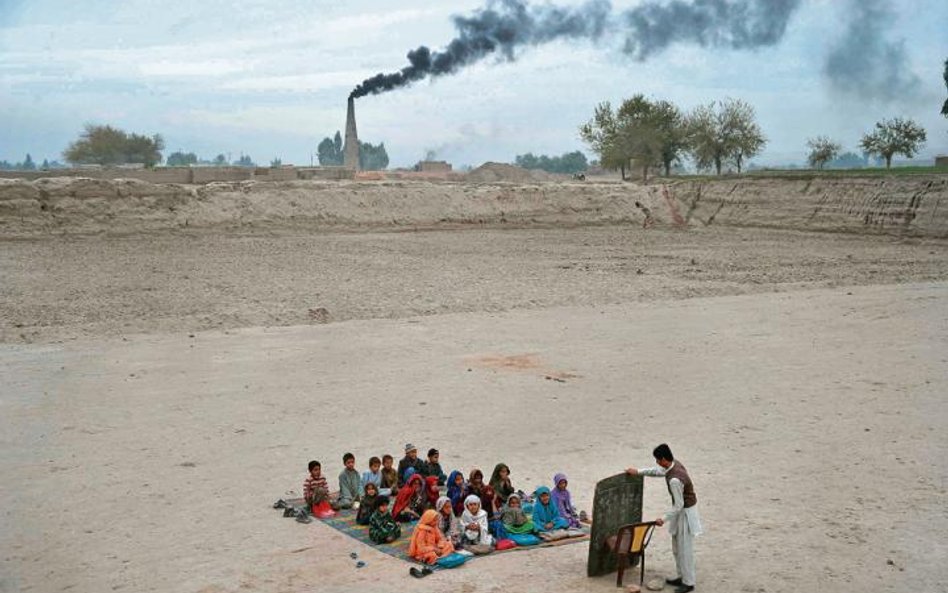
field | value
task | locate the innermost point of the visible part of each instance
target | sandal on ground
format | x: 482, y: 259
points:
x: 280, y: 504
x: 303, y: 517
x: 289, y: 512
x: 418, y: 574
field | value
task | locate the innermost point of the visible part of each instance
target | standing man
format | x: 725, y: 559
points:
x: 683, y: 520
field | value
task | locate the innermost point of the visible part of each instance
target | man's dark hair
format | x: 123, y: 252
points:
x: 374, y: 461
x: 347, y: 457
x: 387, y: 457
x: 432, y: 453
x: 313, y: 464
x: 380, y: 501
x: 663, y: 451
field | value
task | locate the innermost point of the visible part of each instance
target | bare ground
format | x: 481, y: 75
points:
x: 149, y: 416
x: 55, y: 289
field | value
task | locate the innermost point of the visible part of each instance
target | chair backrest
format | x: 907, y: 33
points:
x: 634, y: 538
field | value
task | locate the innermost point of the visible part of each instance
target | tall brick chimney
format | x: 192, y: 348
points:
x: 351, y: 159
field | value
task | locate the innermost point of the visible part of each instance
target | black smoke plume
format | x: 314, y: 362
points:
x: 743, y: 24
x: 863, y: 63
x: 504, y: 26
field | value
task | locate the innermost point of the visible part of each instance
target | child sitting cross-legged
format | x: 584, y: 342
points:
x: 367, y: 504
x: 315, y: 488
x: 350, y: 488
x: 513, y: 517
x: 427, y: 542
x: 412, y: 500
x: 477, y: 537
x: 546, y: 517
x: 382, y: 527
x: 564, y: 502
x: 448, y: 523
x: 433, y: 467
x: 389, y: 475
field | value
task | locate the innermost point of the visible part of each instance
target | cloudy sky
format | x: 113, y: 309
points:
x: 270, y: 78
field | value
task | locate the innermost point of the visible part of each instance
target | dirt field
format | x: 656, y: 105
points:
x: 161, y: 390
x: 91, y: 286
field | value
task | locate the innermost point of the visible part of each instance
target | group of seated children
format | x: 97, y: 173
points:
x: 471, y: 516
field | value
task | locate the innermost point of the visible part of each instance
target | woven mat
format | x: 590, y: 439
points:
x: 345, y: 522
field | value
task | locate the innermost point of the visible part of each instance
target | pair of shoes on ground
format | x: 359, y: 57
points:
x: 680, y: 587
x: 302, y: 516
x: 419, y: 573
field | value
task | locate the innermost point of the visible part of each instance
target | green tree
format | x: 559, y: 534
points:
x: 822, y: 151
x: 673, y: 133
x: 892, y: 137
x: 330, y: 151
x: 220, y: 160
x: 28, y: 164
x: 568, y: 163
x: 748, y: 138
x: 45, y: 165
x: 275, y: 163
x: 372, y: 157
x: 181, y: 159
x: 601, y: 133
x: 724, y: 132
x: 105, y: 145
x: 245, y: 161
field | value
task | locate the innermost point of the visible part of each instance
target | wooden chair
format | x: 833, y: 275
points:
x: 628, y: 544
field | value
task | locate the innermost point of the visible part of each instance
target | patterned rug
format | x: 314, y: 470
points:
x: 345, y: 522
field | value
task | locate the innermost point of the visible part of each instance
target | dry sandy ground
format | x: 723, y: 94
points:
x: 55, y: 289
x: 137, y: 458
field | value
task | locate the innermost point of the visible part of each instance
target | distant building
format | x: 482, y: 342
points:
x: 941, y: 161
x: 433, y: 167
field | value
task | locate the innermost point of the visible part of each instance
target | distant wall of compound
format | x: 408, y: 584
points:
x: 189, y: 175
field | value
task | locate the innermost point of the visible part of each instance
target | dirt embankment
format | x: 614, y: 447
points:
x: 894, y: 205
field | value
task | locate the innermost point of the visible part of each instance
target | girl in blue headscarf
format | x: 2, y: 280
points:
x: 457, y: 487
x: 546, y: 517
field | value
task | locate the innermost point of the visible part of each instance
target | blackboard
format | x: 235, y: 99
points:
x: 616, y: 502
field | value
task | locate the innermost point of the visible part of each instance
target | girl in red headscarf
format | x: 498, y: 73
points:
x: 411, y: 500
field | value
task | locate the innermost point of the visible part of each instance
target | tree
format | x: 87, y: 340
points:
x: 568, y: 163
x: 709, y: 140
x: 277, y: 162
x: 650, y: 133
x: 245, y: 161
x: 822, y: 151
x: 724, y: 132
x: 105, y: 145
x: 330, y: 151
x: 895, y: 136
x: 181, y: 159
x: 28, y: 164
x: 748, y: 138
x: 45, y: 165
x: 220, y: 160
x: 673, y: 133
x: 372, y: 157
x: 601, y: 134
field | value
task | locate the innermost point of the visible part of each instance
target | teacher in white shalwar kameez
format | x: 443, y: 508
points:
x: 682, y: 520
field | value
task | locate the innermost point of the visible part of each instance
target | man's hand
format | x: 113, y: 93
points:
x: 632, y: 471
x: 659, y: 521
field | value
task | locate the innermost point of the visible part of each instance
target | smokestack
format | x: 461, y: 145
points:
x: 351, y: 159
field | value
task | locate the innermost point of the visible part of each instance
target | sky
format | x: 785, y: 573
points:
x: 270, y: 79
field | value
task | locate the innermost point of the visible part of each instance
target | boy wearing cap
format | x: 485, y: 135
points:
x: 410, y: 460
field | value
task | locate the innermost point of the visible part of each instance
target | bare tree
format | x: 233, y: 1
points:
x: 895, y: 136
x: 822, y: 151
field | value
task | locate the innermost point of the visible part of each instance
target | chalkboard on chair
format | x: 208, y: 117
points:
x: 616, y: 502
